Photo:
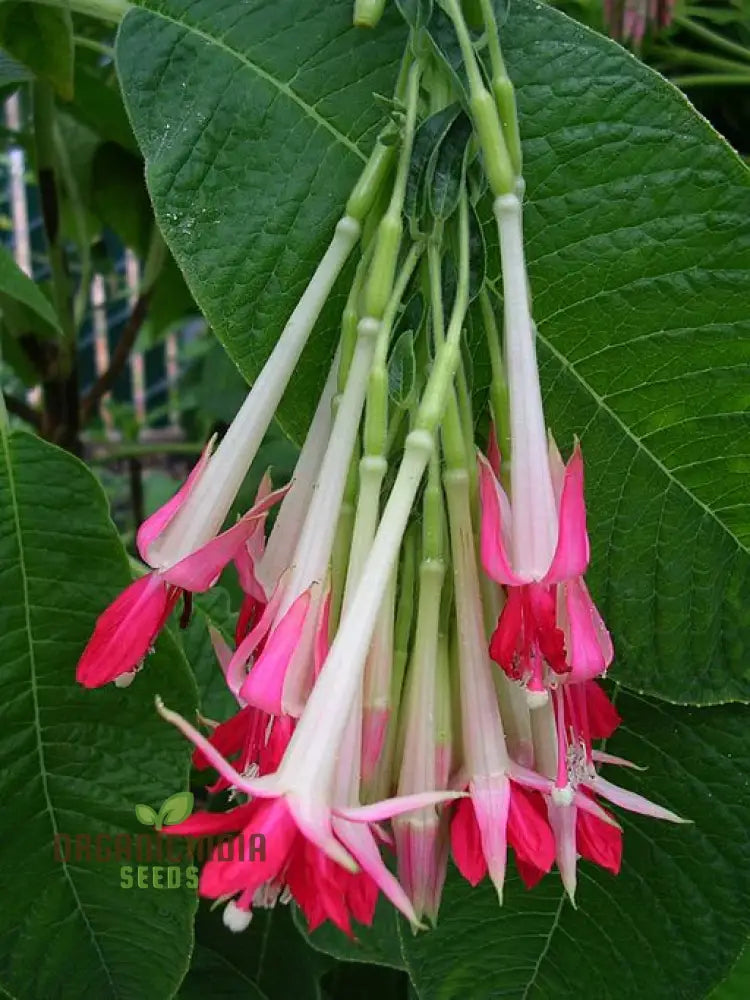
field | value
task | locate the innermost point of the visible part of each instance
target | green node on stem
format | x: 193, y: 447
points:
x: 383, y: 267
x: 497, y: 161
x: 371, y: 180
x: 505, y: 99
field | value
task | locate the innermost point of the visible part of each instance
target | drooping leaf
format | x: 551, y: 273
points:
x: 402, y: 365
x: 447, y: 167
x: 19, y: 287
x: 73, y: 762
x: 40, y: 37
x: 642, y: 933
x: 429, y: 134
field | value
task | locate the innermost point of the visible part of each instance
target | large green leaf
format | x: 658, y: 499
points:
x: 377, y: 944
x: 737, y: 985
x: 669, y: 926
x: 76, y: 762
x: 253, y: 120
x: 268, y: 960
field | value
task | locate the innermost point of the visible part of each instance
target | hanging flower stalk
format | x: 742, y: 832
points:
x: 415, y: 665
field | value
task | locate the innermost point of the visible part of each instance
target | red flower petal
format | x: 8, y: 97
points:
x: 125, y: 631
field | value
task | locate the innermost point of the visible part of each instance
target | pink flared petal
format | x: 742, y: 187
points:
x: 601, y: 757
x: 242, y: 865
x: 262, y: 787
x: 563, y: 822
x: 491, y: 800
x: 252, y: 551
x: 235, y: 672
x: 202, y: 568
x: 313, y: 819
x: 153, y: 526
x: 359, y: 841
x: 585, y: 802
x: 495, y: 527
x: 264, y: 685
x: 632, y: 801
x: 125, y: 631
x: 387, y: 808
x: 588, y: 646
x: 572, y: 552
x: 530, y: 779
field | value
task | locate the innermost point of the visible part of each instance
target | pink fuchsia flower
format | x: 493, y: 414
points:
x: 127, y: 629
x: 549, y: 622
x: 499, y: 806
x: 286, y: 865
x: 295, y: 811
x: 578, y: 714
x: 534, y: 541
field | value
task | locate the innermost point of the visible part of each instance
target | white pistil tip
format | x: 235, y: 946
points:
x: 235, y: 919
x: 537, y: 699
x: 563, y: 796
x: 125, y: 680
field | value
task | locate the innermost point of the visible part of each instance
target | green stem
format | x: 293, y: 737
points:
x: 440, y: 382
x: 497, y: 158
x: 105, y: 10
x: 713, y: 37
x: 388, y: 241
x: 687, y: 56
x: 46, y: 164
x: 94, y: 46
x: 376, y: 414
x: 81, y: 298
x: 712, y: 80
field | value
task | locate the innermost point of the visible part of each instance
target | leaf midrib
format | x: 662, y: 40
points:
x: 5, y: 438
x: 282, y: 87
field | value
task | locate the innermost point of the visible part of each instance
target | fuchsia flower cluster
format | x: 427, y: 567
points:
x: 417, y: 659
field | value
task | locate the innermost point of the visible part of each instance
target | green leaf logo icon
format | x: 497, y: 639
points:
x: 175, y: 809
x: 145, y: 814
